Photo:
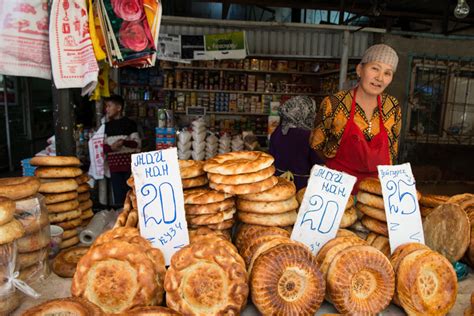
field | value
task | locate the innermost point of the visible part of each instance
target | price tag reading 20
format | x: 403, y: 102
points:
x: 322, y: 207
x: 160, y: 200
x: 401, y: 205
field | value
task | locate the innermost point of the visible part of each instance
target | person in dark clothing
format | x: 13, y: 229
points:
x: 289, y: 143
x: 121, y: 141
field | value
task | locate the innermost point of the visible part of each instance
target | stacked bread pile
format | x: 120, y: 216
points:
x: 263, y: 199
x: 426, y: 282
x: 447, y: 230
x: 284, y: 275
x: 192, y: 174
x: 60, y: 189
x: 208, y: 208
x: 84, y: 198
x: 466, y: 202
x: 428, y: 202
x: 370, y: 203
x: 207, y: 277
x: 359, y: 278
x: 10, y: 230
x: 129, y: 215
x: 350, y: 214
x: 120, y: 271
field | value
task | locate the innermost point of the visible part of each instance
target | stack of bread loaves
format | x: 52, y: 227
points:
x: 192, y: 173
x: 205, y: 207
x: 129, y: 215
x: 207, y: 277
x: 60, y: 189
x: 276, y: 206
x: 120, y: 271
x: 426, y: 283
x: 84, y: 198
x: 370, y: 203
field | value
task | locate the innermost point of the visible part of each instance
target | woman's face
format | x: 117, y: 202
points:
x: 374, y: 77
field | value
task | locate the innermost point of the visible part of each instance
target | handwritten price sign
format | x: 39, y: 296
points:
x: 322, y: 208
x: 160, y: 200
x: 401, y: 205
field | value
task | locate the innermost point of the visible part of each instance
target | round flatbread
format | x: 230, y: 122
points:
x: 211, y: 208
x: 204, y: 196
x: 238, y: 162
x: 63, y: 206
x: 7, y: 209
x: 57, y: 172
x: 33, y: 242
x: 447, y: 230
x: 27, y: 259
x: 276, y: 207
x: 191, y: 168
x: 70, y: 224
x: 255, y: 187
x: 65, y: 306
x: 70, y: 233
x: 207, y: 219
x: 360, y: 280
x: 85, y: 187
x: 283, y: 190
x: 84, y: 196
x: 11, y: 231
x: 64, y: 216
x: 59, y: 186
x: 371, y: 185
x: 432, y: 200
x: 55, y: 161
x: 53, y: 198
x: 65, y: 263
x: 194, y: 182
x: 370, y: 200
x: 19, y: 188
x: 286, y: 280
x: 349, y: 218
x: 244, y: 178
x: 375, y: 226
x: 378, y: 214
x: 83, y: 178
x: 426, y: 283
x: 283, y: 219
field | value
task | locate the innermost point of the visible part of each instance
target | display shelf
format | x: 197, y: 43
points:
x: 228, y: 113
x: 243, y: 92
x: 289, y: 72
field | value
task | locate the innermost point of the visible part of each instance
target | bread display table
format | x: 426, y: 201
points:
x: 57, y: 287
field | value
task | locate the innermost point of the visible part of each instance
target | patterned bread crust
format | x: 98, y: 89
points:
x: 348, y: 218
x: 19, y: 188
x: 116, y: 233
x: 246, y: 188
x: 244, y: 178
x: 238, y: 162
x: 204, y: 196
x: 150, y: 311
x: 116, y: 276
x: 426, y: 283
x: 285, y: 280
x: 432, y: 200
x: 215, y: 218
x: 360, y: 280
x: 205, y: 278
x: 256, y: 237
x: 371, y: 185
x: 377, y: 213
x: 283, y: 190
x: 11, y: 231
x: 64, y: 264
x: 191, y: 168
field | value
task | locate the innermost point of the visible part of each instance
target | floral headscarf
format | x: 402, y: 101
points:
x: 297, y: 112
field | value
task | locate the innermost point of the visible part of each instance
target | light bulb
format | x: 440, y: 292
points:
x: 461, y: 10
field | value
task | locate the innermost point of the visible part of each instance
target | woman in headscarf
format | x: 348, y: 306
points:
x: 289, y: 143
x: 357, y: 130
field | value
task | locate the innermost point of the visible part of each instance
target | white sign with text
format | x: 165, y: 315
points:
x: 401, y: 205
x: 160, y: 200
x: 322, y: 207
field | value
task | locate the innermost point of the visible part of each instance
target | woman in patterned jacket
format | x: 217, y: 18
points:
x: 357, y: 130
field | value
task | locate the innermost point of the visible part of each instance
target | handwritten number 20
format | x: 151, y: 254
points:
x: 165, y: 190
x: 326, y: 219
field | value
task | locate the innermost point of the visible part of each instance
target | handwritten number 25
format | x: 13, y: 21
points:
x: 165, y: 191
x: 326, y: 219
x: 397, y: 195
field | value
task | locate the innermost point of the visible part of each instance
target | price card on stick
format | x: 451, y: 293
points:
x: 160, y: 200
x: 401, y: 205
x: 322, y: 207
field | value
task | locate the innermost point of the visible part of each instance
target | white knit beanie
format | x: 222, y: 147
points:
x: 381, y: 53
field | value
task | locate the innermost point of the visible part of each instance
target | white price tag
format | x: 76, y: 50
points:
x: 401, y: 205
x: 322, y: 208
x: 160, y: 200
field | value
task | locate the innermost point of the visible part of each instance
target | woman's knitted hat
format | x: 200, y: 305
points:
x: 381, y: 53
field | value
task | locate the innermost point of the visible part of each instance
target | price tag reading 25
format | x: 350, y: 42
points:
x: 160, y: 200
x: 322, y: 207
x: 401, y: 205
